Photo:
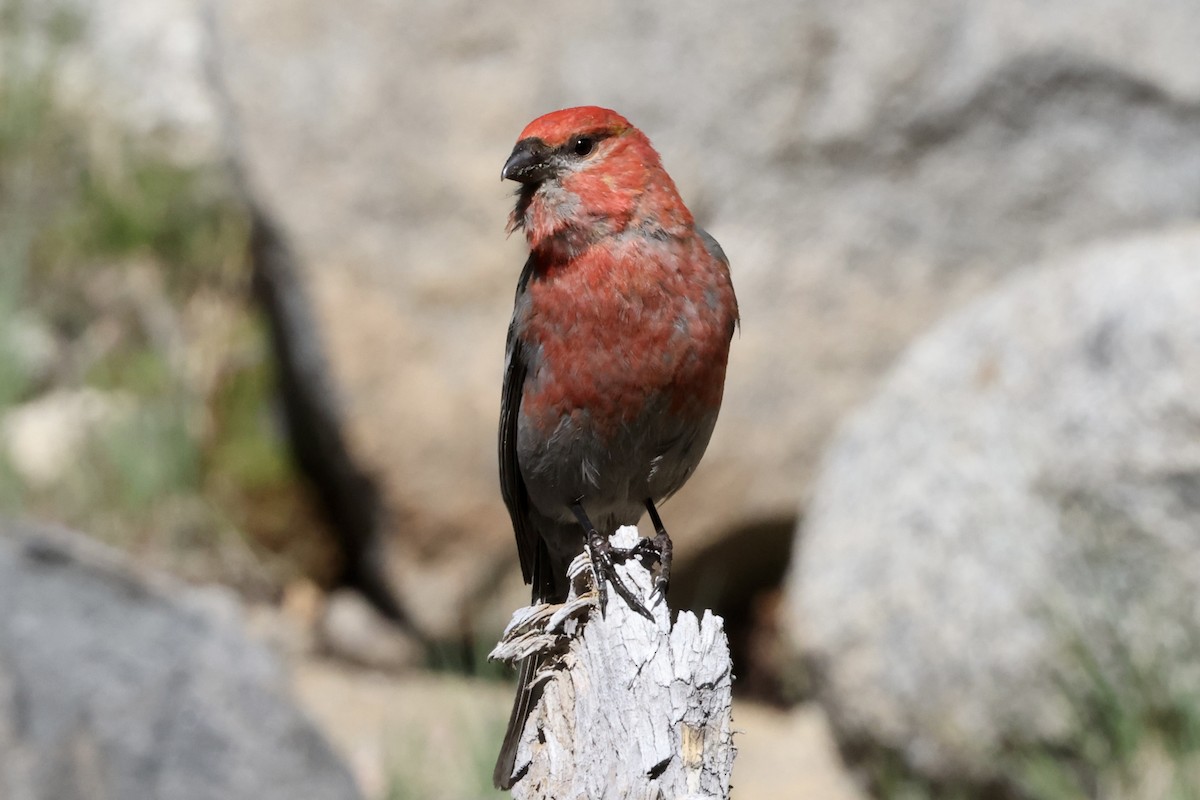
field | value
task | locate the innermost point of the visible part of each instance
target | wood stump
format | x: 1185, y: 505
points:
x: 630, y: 708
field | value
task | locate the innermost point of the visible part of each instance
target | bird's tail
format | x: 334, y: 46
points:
x: 523, y: 704
x: 544, y: 590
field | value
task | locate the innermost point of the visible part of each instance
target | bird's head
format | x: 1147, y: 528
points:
x: 587, y: 172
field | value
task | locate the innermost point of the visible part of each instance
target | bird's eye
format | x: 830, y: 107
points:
x: 583, y: 146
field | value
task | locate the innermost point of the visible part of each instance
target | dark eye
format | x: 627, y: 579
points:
x: 583, y: 146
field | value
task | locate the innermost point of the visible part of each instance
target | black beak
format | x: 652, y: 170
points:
x: 529, y: 162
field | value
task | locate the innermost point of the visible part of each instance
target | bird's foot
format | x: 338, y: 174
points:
x: 658, y: 549
x: 662, y: 548
x: 604, y: 558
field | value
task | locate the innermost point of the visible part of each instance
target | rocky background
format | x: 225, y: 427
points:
x: 253, y: 292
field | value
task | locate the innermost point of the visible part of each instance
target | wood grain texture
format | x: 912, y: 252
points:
x: 630, y: 708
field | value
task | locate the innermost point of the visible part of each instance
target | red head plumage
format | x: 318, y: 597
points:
x: 588, y: 172
x: 557, y: 127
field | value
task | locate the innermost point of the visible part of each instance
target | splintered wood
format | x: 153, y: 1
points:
x: 630, y: 708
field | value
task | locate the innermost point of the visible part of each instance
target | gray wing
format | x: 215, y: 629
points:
x: 531, y: 548
x: 512, y: 485
x: 712, y: 246
x: 714, y: 249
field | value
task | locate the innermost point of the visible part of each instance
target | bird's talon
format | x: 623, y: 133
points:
x: 601, y: 566
x: 645, y: 547
x: 662, y: 545
x: 603, y: 556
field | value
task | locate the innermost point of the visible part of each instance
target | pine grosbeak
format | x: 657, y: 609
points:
x: 616, y: 355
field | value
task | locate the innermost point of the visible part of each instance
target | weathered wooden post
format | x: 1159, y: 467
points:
x: 630, y: 708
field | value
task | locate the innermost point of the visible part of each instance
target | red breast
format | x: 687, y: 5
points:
x: 625, y: 322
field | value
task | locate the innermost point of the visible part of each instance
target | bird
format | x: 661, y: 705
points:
x: 615, y: 359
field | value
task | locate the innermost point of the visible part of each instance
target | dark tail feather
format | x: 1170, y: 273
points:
x: 544, y: 590
x: 523, y: 704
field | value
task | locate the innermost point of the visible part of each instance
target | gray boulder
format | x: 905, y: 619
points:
x: 1015, y: 517
x: 115, y: 685
x: 866, y: 167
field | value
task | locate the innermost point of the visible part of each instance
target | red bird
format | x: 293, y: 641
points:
x: 615, y: 360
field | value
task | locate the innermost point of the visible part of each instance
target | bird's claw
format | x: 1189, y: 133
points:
x: 663, y: 550
x: 604, y: 556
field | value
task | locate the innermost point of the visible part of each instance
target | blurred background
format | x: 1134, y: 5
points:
x: 254, y: 286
